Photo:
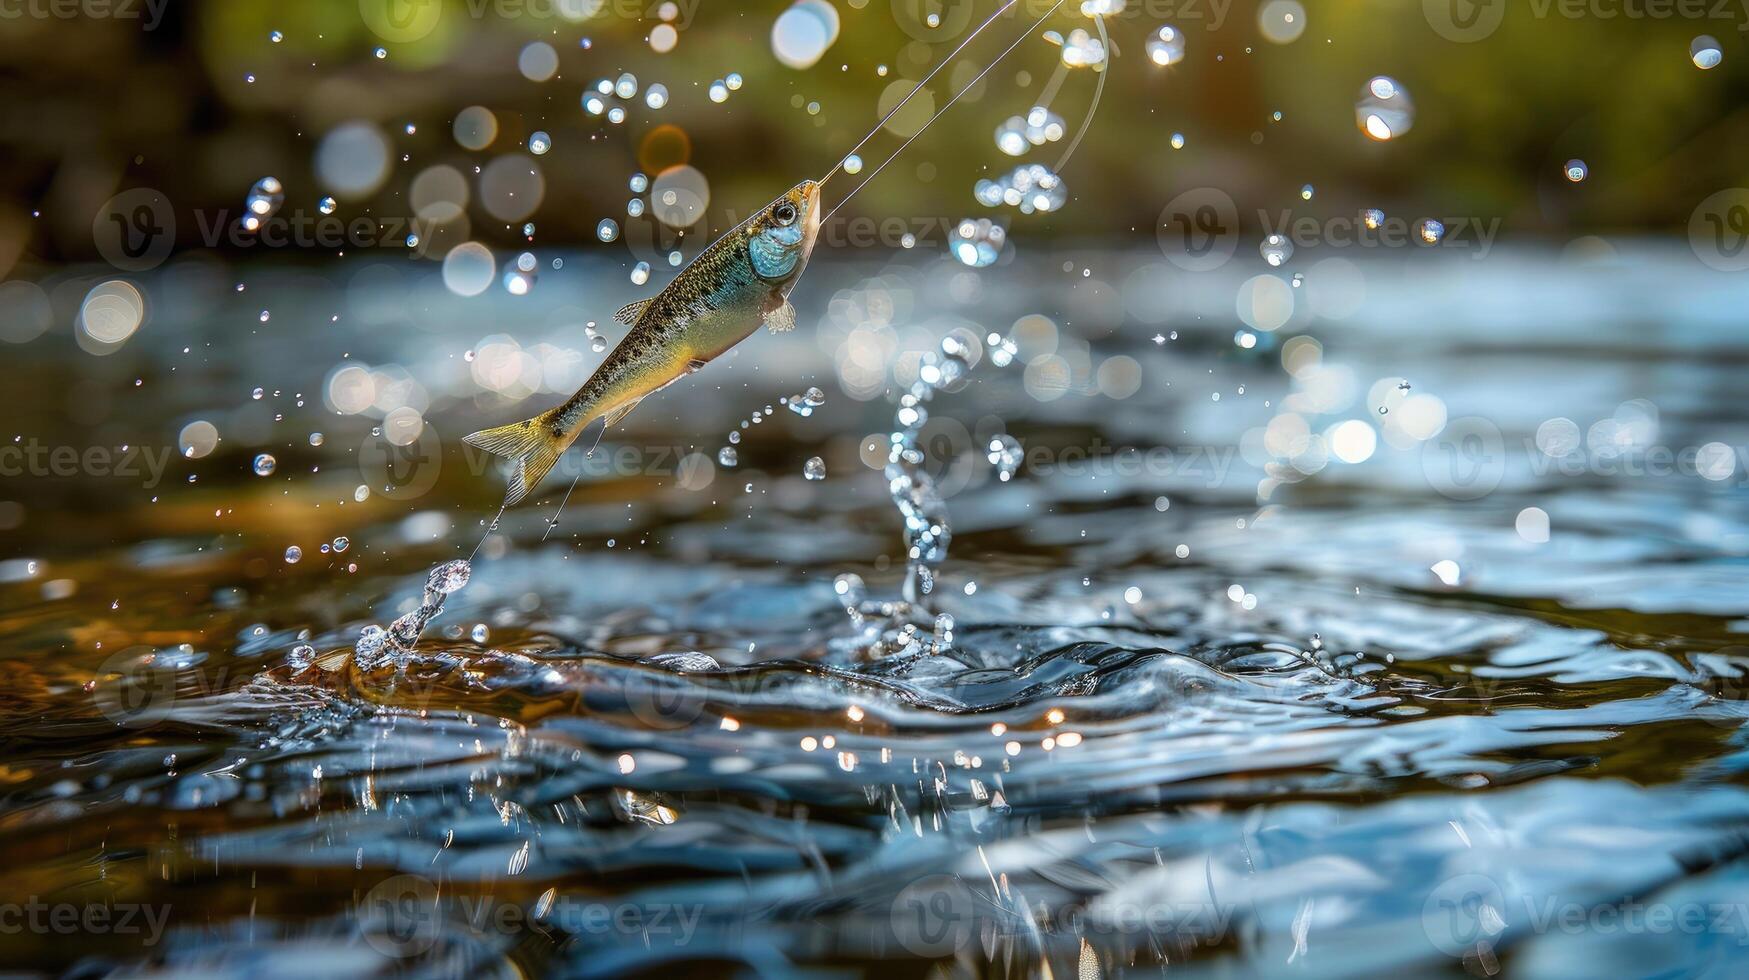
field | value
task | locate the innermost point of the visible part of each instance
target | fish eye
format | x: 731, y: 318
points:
x: 785, y: 213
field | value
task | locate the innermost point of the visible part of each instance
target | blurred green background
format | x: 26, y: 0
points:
x: 160, y: 95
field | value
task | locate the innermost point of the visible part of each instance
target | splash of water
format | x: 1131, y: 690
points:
x: 376, y: 644
x: 924, y: 513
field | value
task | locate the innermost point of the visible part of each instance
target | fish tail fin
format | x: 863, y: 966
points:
x: 534, y: 445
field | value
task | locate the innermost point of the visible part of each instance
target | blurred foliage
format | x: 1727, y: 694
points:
x: 99, y: 104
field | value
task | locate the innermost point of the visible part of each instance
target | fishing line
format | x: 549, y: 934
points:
x: 932, y: 73
x: 490, y: 527
x: 943, y: 111
x: 554, y: 522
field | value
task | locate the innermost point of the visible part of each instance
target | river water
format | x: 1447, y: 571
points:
x: 1217, y: 683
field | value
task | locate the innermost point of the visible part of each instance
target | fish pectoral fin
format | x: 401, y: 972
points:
x: 618, y: 415
x: 782, y: 319
x: 629, y: 313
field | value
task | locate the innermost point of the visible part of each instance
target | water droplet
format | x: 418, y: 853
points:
x: 264, y: 465
x: 539, y: 142
x: 276, y: 37
x: 1276, y: 249
x: 327, y: 205
x: 450, y: 577
x: 1166, y: 46
x: 1002, y: 350
x: 264, y: 199
x: 640, y: 273
x: 978, y: 243
x: 293, y: 555
x: 850, y: 589
x: 1576, y: 171
x: 1006, y: 454
x: 814, y: 468
x: 342, y: 543
x: 1704, y: 51
x: 1385, y: 110
x: 607, y: 230
x: 727, y: 456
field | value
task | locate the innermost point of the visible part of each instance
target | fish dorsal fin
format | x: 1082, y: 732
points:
x: 782, y: 319
x: 629, y: 313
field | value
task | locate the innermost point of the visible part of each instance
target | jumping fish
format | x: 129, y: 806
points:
x: 720, y: 299
x: 742, y: 280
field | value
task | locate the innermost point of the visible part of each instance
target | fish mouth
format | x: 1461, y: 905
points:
x: 813, y: 196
